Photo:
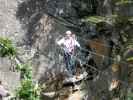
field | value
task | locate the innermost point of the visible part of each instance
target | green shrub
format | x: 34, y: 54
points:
x: 26, y: 71
x: 6, y: 47
x: 28, y: 91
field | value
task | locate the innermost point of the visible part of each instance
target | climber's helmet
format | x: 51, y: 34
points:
x: 68, y: 33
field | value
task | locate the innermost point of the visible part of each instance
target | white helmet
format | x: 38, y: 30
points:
x: 68, y: 32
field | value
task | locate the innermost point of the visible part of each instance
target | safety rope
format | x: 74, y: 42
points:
x: 89, y: 51
x: 71, y: 24
x: 110, y: 58
x: 109, y: 46
x: 93, y: 67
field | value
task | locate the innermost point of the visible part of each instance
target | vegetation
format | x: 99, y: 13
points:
x: 120, y: 2
x: 27, y: 90
x: 6, y: 47
x: 95, y: 19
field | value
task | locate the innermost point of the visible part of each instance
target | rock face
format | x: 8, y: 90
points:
x: 44, y: 21
x: 34, y: 26
x: 9, y: 25
x: 9, y: 79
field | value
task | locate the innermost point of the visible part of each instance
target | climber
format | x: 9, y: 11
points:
x: 69, y: 44
x: 3, y: 91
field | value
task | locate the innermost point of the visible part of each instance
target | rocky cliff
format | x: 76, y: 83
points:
x: 34, y: 26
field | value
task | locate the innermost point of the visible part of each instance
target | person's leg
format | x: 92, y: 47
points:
x: 67, y: 59
x: 73, y: 65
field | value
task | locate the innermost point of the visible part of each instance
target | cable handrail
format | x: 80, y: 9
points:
x: 93, y: 67
x: 89, y: 51
x: 109, y: 46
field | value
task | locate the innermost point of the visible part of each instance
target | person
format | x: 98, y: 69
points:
x: 69, y: 44
x: 3, y: 91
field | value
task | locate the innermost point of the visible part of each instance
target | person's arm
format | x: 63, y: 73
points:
x: 77, y: 43
x: 60, y: 42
